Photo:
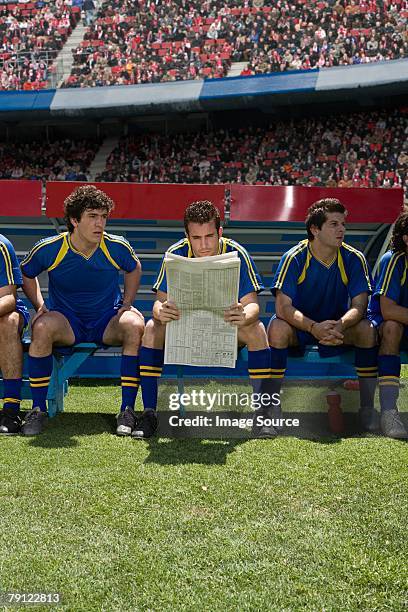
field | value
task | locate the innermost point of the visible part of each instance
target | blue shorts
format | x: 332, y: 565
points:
x: 91, y: 331
x: 23, y: 311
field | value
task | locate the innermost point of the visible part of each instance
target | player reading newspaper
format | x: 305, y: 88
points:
x: 203, y: 288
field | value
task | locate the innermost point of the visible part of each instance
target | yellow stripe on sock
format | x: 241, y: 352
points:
x: 157, y: 374
x: 11, y: 400
x: 146, y: 367
x: 366, y: 369
x: 133, y: 378
x: 130, y: 385
x: 40, y: 379
x: 39, y: 384
x: 389, y: 383
x: 367, y: 374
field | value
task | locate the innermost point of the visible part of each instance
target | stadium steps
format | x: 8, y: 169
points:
x: 236, y: 69
x: 99, y: 162
x: 64, y: 59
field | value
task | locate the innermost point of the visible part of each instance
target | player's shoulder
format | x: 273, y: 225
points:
x: 117, y: 245
x: 297, y: 251
x: 181, y: 247
x: 392, y: 258
x: 50, y: 243
x: 4, y: 240
x: 351, y: 252
x: 116, y: 239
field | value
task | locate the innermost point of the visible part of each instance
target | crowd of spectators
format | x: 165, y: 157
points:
x: 61, y: 160
x: 359, y: 150
x: 147, y: 41
x: 31, y: 34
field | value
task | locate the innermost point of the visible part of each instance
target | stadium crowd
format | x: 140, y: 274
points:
x: 31, y: 36
x: 61, y: 160
x: 366, y: 149
x: 154, y: 41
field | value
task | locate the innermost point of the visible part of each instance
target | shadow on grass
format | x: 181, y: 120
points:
x: 61, y: 431
x: 181, y: 452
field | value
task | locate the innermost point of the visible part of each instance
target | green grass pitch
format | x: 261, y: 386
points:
x: 116, y: 524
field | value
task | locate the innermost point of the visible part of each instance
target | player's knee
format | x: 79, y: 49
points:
x: 133, y: 326
x: 43, y: 327
x: 253, y: 334
x: 9, y: 324
x: 279, y: 333
x: 391, y: 334
x: 365, y: 334
x: 154, y: 334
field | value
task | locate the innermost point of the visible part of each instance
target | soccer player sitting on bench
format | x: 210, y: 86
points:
x: 14, y: 318
x: 321, y: 288
x: 85, y: 301
x: 388, y: 310
x: 204, y: 238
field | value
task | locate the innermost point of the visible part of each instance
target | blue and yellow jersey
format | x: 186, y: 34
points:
x: 249, y: 279
x: 391, y: 281
x: 322, y: 291
x: 10, y: 273
x: 85, y: 286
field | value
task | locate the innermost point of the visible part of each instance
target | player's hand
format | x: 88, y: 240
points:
x: 42, y: 309
x: 335, y: 336
x: 235, y: 315
x: 168, y: 311
x: 327, y: 331
x: 128, y: 307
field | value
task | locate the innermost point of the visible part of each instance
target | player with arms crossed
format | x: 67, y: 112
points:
x: 85, y: 301
x: 14, y: 318
x: 203, y: 238
x: 388, y: 310
x: 321, y: 288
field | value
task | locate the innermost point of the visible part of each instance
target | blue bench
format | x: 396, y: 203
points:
x: 64, y: 367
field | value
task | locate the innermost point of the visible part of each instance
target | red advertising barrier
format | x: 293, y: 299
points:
x: 140, y: 201
x: 20, y: 198
x: 268, y: 203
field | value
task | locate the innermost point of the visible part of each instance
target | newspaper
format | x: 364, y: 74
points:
x: 202, y: 289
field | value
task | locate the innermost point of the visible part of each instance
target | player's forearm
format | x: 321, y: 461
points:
x: 7, y: 304
x: 294, y: 317
x: 352, y: 317
x: 31, y: 288
x: 131, y: 285
x: 394, y: 312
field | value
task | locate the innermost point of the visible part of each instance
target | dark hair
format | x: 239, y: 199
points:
x: 86, y: 197
x: 201, y: 212
x: 400, y: 229
x: 317, y: 213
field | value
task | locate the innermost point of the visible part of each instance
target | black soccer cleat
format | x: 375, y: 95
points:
x: 126, y: 422
x: 262, y: 426
x: 34, y: 422
x: 10, y: 422
x: 146, y: 425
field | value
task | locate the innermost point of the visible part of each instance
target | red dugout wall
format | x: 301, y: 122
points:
x: 20, y: 198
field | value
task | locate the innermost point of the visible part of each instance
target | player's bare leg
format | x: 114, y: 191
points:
x: 11, y: 366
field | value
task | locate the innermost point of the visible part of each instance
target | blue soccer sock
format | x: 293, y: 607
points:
x: 279, y: 360
x: 12, y: 393
x: 259, y: 369
x: 40, y: 370
x: 151, y: 366
x: 129, y: 377
x: 367, y: 372
x: 389, y: 370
